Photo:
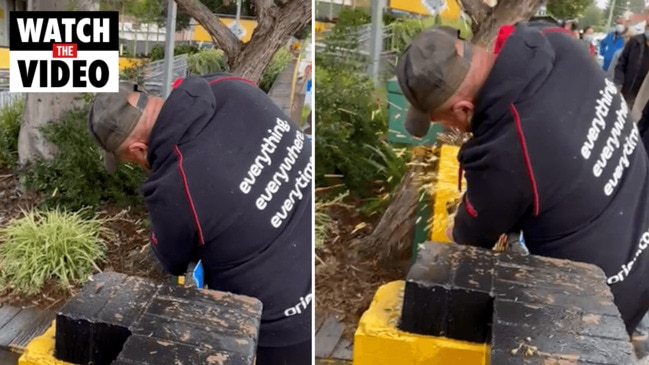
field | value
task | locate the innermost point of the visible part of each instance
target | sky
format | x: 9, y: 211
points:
x: 601, y: 3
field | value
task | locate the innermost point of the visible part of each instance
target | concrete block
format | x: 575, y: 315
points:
x: 93, y: 326
x: 128, y: 320
x: 520, y: 343
x: 152, y: 351
x: 555, y: 311
x: 448, y: 293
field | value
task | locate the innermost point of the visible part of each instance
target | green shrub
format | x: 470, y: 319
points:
x: 134, y: 73
x: 348, y: 117
x: 351, y: 17
x: 351, y: 114
x: 404, y: 29
x: 213, y: 60
x: 76, y: 176
x: 51, y: 245
x: 280, y: 61
x: 10, y: 121
x: 158, y: 52
x: 207, y: 61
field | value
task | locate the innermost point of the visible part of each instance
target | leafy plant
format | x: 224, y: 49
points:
x: 134, y: 73
x: 158, y: 51
x: 76, y: 177
x: 349, y: 112
x: 48, y: 245
x: 563, y: 9
x: 324, y: 224
x: 280, y: 61
x: 206, y: 61
x: 348, y: 117
x: 390, y: 162
x: 210, y: 61
x: 10, y: 121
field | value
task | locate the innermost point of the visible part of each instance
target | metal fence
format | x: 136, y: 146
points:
x: 154, y: 73
x: 7, y: 98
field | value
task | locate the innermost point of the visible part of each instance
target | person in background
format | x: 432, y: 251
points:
x: 572, y: 26
x: 613, y: 42
x: 633, y: 65
x: 610, y: 73
x: 587, y: 38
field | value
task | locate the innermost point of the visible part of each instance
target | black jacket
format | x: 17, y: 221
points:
x: 643, y: 126
x: 632, y: 66
x: 553, y: 155
x: 231, y: 185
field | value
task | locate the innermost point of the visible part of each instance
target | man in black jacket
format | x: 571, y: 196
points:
x: 632, y: 65
x: 552, y: 153
x: 230, y: 184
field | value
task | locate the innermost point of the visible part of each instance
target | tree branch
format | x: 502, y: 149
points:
x: 263, y: 10
x: 223, y: 38
x: 275, y: 25
x: 486, y: 21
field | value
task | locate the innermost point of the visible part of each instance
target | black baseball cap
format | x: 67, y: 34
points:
x: 429, y: 72
x: 112, y: 119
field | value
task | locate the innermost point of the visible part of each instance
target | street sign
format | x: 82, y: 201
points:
x: 434, y: 6
x: 237, y: 29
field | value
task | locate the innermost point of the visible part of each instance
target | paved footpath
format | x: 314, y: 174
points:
x: 280, y: 92
x: 8, y: 358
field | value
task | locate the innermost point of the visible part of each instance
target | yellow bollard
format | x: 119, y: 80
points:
x: 40, y: 351
x: 378, y: 341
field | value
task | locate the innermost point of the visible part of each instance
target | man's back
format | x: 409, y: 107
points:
x: 582, y: 162
x: 231, y: 171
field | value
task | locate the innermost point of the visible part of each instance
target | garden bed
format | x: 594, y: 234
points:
x: 345, y: 281
x: 127, y: 253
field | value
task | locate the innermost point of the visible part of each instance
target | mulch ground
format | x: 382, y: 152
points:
x: 346, y: 281
x: 128, y: 252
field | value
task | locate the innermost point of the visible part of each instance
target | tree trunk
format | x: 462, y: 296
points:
x: 275, y: 26
x: 486, y: 20
x: 393, y: 234
x: 43, y: 108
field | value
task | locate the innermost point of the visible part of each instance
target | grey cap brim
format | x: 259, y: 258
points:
x: 110, y: 162
x: 417, y: 123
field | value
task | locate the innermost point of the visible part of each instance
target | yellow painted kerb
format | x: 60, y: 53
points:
x: 378, y: 341
x: 40, y: 351
x: 446, y: 190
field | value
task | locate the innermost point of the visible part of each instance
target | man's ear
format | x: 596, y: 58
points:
x: 463, y: 107
x: 137, y: 148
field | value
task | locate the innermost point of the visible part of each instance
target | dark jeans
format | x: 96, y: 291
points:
x: 299, y: 354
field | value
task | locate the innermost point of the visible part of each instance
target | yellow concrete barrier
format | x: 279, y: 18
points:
x: 446, y: 191
x: 40, y: 351
x: 125, y: 62
x: 378, y: 341
x: 322, y: 26
x: 452, y: 10
x: 4, y: 58
x: 201, y: 35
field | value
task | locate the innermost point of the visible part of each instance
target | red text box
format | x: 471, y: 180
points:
x: 64, y: 50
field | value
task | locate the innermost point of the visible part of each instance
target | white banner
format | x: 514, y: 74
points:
x: 40, y: 72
